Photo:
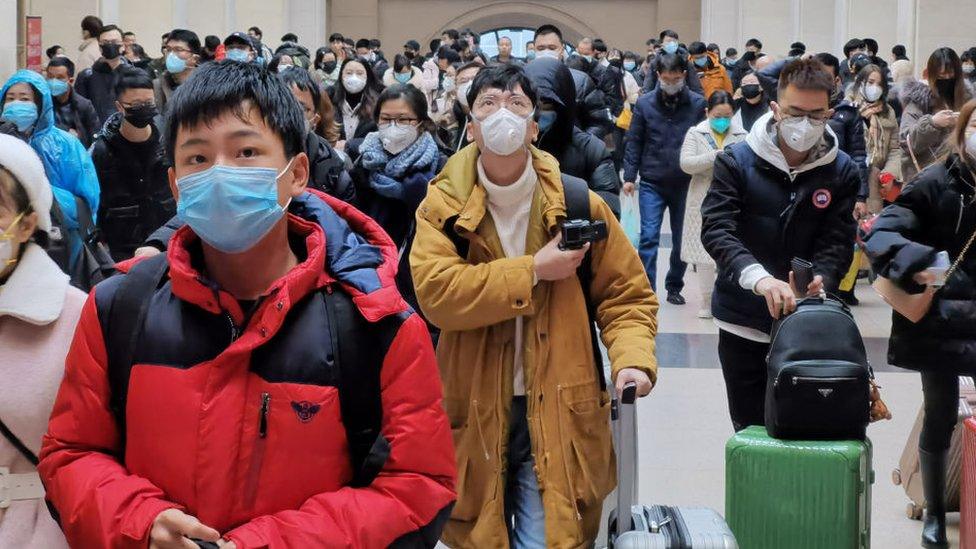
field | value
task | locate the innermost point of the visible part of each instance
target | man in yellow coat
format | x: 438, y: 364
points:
x: 529, y: 415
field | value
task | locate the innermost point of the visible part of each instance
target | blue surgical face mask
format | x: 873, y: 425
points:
x: 630, y: 65
x: 530, y: 55
x: 231, y: 208
x: 21, y: 113
x: 546, y: 120
x: 175, y: 64
x: 403, y: 77
x: 238, y: 55
x: 671, y: 48
x: 701, y: 61
x: 720, y: 125
x: 58, y: 87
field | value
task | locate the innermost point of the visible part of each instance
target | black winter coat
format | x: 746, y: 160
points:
x: 935, y: 212
x: 136, y: 197
x: 657, y: 132
x: 328, y: 169
x: 754, y: 213
x: 593, y: 115
x: 588, y: 158
x: 97, y: 84
x: 77, y: 114
x: 848, y: 126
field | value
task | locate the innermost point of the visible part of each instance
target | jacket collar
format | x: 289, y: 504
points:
x: 35, y: 291
x: 762, y: 141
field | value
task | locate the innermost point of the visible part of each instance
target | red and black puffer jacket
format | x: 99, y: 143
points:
x: 237, y: 421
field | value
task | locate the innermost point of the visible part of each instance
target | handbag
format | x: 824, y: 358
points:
x: 623, y: 121
x: 914, y: 307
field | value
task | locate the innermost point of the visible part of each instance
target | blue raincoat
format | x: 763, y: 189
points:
x: 67, y: 164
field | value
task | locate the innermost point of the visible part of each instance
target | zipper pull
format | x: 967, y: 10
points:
x: 265, y: 410
x: 234, y: 334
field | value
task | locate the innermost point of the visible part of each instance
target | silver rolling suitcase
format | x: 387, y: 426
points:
x: 657, y: 526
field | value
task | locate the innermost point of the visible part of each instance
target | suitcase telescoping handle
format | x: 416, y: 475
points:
x: 624, y: 416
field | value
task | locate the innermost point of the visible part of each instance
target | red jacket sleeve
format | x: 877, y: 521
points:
x: 416, y: 485
x: 100, y: 504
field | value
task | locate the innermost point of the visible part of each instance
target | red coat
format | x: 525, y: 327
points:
x: 192, y: 429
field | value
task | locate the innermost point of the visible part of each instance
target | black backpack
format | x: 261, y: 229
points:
x: 360, y: 359
x: 576, y: 193
x: 818, y: 386
x: 94, y: 264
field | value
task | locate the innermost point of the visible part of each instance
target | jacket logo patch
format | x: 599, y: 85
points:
x: 825, y: 392
x: 822, y: 198
x: 305, y: 410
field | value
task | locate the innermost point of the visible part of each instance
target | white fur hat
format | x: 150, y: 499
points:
x: 20, y: 159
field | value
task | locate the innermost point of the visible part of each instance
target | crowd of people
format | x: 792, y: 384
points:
x: 295, y: 232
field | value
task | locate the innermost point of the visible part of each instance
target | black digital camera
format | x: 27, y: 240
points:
x: 577, y: 232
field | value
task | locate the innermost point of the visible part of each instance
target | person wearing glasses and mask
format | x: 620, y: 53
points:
x: 786, y: 191
x: 182, y: 57
x: 131, y: 167
x: 514, y: 350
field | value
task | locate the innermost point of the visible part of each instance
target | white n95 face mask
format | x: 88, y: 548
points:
x: 396, y: 138
x: 504, y: 131
x: 354, y: 84
x: 872, y: 92
x: 799, y: 133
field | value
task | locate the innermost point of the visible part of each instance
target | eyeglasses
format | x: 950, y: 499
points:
x: 816, y: 117
x: 487, y: 105
x: 386, y: 122
x: 180, y: 51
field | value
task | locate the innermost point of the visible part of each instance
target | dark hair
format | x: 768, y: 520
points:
x: 302, y: 80
x: 216, y: 88
x: 211, y: 42
x: 720, y: 97
x: 652, y: 42
x: 401, y: 62
x: 547, y: 29
x: 52, y: 51
x: 362, y: 43
x: 189, y: 37
x: 712, y: 46
x: 697, y: 48
x: 754, y: 43
x: 577, y: 62
x: 500, y: 38
x: 599, y: 45
x: 448, y: 53
x: 470, y: 65
x: 434, y: 45
x: 336, y: 37
x: 731, y: 51
x: 375, y: 43
x: 797, y: 49
x: 164, y: 36
x: 862, y: 78
x: 290, y: 37
x: 670, y: 63
x: 139, y: 52
x: 631, y: 55
x: 256, y: 31
x: 63, y: 62
x: 451, y: 33
x: 349, y: 42
x: 502, y: 77
x: 668, y: 33
x: 853, y: 44
x: 967, y: 55
x: 945, y: 59
x: 413, y: 97
x: 829, y: 61
x: 91, y: 24
x: 128, y: 33
x: 899, y: 52
x: 109, y: 28
x: 369, y: 93
x: 320, y: 55
x: 131, y: 78
x: 872, y: 45
x: 806, y: 74
x: 276, y: 60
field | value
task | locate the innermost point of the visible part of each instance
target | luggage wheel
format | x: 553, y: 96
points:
x: 896, y: 476
x: 914, y: 511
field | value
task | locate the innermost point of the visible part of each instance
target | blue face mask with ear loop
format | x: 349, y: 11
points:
x: 230, y: 207
x: 546, y: 120
x: 671, y: 48
x: 58, y: 87
x: 238, y: 55
x: 21, y: 113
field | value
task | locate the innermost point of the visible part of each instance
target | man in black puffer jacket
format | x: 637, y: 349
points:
x: 580, y: 154
x: 787, y: 191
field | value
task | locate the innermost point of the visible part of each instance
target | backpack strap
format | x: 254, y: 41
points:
x: 18, y: 444
x: 127, y: 315
x: 576, y: 193
x: 361, y: 348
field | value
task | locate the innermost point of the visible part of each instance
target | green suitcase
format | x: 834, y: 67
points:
x: 798, y: 494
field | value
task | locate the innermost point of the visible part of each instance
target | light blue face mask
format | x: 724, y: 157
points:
x: 21, y: 113
x: 231, y: 208
x: 671, y: 48
x: 238, y: 55
x: 58, y: 87
x: 530, y: 55
x: 701, y: 61
x: 403, y: 78
x: 546, y: 120
x: 630, y: 65
x: 720, y: 125
x: 174, y: 64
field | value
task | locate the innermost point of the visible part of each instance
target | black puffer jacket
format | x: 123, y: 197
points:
x: 136, y: 198
x: 934, y: 213
x: 848, y: 126
x: 97, y: 84
x: 593, y: 115
x: 582, y: 155
x: 328, y: 169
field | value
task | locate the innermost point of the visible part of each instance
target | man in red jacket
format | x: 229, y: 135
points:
x: 263, y: 384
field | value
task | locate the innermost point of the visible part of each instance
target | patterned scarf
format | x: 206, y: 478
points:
x: 386, y: 172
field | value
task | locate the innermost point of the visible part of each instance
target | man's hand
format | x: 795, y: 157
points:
x: 633, y: 375
x: 944, y: 118
x: 812, y: 290
x: 173, y: 529
x: 860, y: 210
x: 146, y: 251
x: 780, y: 299
x: 551, y: 263
x: 628, y: 188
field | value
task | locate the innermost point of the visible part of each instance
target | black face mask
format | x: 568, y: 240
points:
x: 946, y: 88
x: 141, y: 116
x: 410, y: 54
x: 329, y: 66
x: 751, y: 91
x: 617, y: 62
x: 111, y: 51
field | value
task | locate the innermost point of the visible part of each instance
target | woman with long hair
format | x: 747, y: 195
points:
x: 355, y: 99
x: 869, y: 95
